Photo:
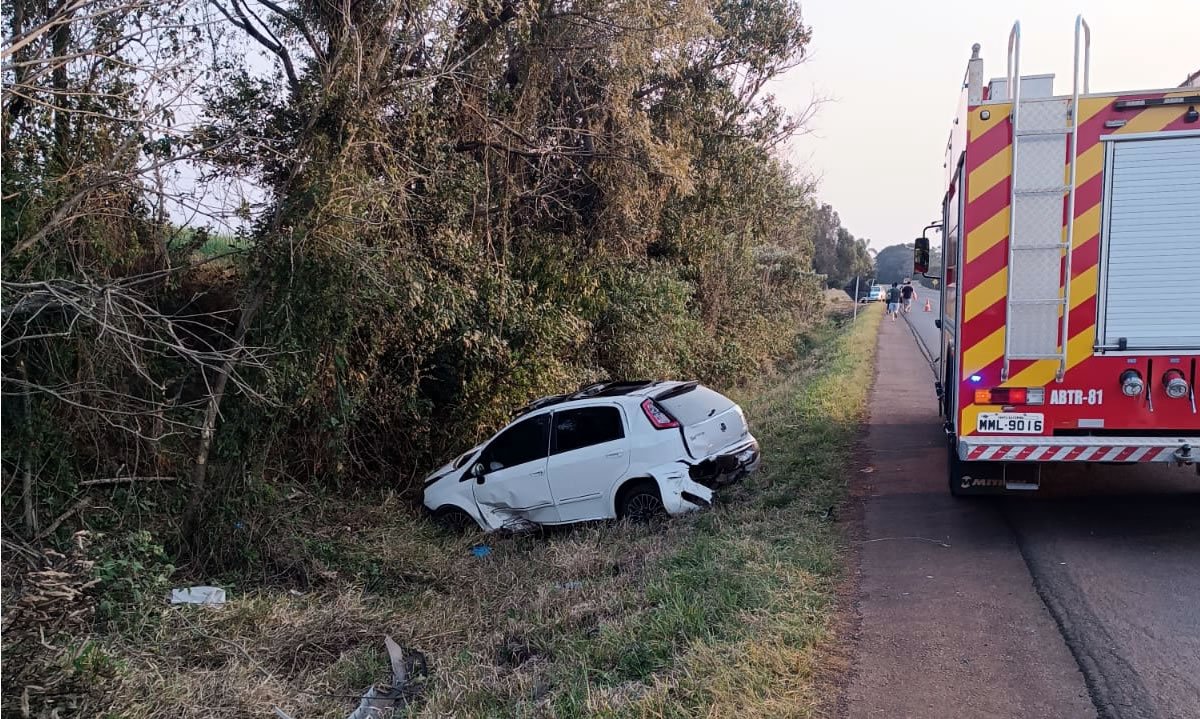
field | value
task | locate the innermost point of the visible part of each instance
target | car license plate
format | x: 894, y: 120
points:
x: 1010, y: 422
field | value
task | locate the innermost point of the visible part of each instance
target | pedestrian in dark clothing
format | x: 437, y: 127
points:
x: 893, y: 300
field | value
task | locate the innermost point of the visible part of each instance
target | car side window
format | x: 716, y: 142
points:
x: 586, y: 426
x: 525, y: 441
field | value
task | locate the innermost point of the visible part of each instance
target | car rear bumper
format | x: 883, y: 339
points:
x: 729, y: 466
x: 1182, y: 450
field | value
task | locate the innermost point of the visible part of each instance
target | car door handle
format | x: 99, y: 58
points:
x: 618, y: 453
x: 537, y: 473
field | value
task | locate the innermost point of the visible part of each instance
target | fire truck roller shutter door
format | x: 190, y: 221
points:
x: 1151, y: 240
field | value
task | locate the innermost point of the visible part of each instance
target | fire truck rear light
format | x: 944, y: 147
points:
x: 1132, y: 384
x: 1011, y: 395
x: 1175, y: 385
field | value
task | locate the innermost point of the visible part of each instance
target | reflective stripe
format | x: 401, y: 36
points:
x: 1061, y: 454
x: 1137, y: 455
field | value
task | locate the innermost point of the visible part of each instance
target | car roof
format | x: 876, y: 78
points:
x: 597, y: 390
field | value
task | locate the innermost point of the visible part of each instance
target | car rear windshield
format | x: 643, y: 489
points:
x: 696, y: 406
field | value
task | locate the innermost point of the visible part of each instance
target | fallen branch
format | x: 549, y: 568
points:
x: 124, y: 480
x: 78, y: 506
x: 915, y: 539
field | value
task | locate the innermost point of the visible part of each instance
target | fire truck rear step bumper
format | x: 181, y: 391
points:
x: 1079, y: 449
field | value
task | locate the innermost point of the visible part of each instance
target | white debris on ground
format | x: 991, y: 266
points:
x: 198, y: 595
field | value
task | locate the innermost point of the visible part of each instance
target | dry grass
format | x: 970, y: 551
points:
x: 721, y: 614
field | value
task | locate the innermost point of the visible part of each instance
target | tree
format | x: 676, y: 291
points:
x: 837, y: 254
x: 894, y: 264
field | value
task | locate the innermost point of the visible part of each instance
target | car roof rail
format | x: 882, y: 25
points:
x: 585, y: 391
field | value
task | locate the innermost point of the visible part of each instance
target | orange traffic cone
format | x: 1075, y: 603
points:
x: 928, y: 307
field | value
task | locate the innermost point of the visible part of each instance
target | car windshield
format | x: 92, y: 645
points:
x: 466, y: 457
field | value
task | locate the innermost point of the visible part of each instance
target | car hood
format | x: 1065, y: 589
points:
x: 449, y: 466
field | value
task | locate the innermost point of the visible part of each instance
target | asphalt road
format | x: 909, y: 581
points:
x: 1080, y: 600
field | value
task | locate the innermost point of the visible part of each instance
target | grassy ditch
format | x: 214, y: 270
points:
x: 722, y: 613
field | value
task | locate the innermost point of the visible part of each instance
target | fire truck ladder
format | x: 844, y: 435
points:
x: 1037, y: 303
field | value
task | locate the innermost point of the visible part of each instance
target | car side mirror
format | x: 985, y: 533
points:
x: 921, y: 255
x: 477, y: 471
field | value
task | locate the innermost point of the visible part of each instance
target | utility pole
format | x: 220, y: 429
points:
x: 856, y: 278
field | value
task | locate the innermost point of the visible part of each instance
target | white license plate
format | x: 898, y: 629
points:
x: 1010, y: 422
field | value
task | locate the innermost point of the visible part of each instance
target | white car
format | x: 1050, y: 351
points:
x: 610, y: 450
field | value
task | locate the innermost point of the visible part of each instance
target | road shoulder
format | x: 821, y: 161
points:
x: 948, y: 619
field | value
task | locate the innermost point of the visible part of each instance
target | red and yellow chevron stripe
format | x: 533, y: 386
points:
x: 984, y: 274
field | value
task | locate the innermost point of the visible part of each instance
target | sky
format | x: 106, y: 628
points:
x: 890, y: 73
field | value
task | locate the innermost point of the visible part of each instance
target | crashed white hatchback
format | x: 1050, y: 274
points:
x: 610, y: 450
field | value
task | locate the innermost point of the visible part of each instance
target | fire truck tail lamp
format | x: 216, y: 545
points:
x: 1132, y: 384
x: 1175, y: 384
x: 1011, y: 395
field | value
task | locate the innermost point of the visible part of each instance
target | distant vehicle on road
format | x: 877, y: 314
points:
x: 1063, y: 335
x: 611, y: 450
x: 875, y: 294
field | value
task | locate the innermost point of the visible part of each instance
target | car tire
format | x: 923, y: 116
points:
x: 640, y: 501
x: 454, y: 520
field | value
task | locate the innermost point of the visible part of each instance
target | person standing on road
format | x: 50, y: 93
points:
x: 908, y: 293
x: 893, y: 300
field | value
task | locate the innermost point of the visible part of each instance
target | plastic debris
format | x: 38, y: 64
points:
x: 381, y: 701
x: 574, y: 584
x: 481, y: 550
x: 198, y: 595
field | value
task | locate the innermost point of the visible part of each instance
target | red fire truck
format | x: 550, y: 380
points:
x: 1071, y: 285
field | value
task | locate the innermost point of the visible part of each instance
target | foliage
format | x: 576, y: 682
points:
x: 458, y: 206
x: 894, y: 264
x: 837, y: 254
x: 134, y: 574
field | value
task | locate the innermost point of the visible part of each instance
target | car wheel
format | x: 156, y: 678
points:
x: 454, y: 520
x: 640, y: 502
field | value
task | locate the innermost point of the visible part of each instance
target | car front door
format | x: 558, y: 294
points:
x: 513, y: 484
x: 589, y: 452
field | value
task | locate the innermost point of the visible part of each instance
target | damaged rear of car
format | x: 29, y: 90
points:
x: 609, y: 450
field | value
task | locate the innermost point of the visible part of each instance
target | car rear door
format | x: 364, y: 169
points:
x: 514, y: 481
x: 589, y: 452
x: 711, y: 422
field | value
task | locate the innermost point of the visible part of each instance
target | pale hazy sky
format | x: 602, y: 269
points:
x: 892, y: 72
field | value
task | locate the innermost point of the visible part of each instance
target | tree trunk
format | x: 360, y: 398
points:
x: 199, y: 478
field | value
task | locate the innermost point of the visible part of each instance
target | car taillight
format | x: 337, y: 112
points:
x: 1011, y: 395
x: 658, y: 416
x: 1175, y: 384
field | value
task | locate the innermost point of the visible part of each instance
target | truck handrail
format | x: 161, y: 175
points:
x: 1081, y: 29
x: 1014, y: 94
